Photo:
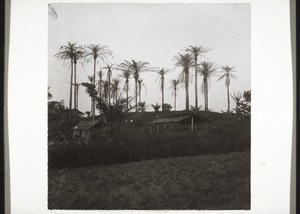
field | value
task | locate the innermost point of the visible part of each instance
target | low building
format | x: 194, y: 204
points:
x: 176, y: 122
x: 84, y: 129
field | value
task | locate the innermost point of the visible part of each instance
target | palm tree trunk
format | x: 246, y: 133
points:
x: 94, y: 84
x: 71, y: 83
x: 140, y: 93
x: 75, y: 92
x: 186, y: 90
x: 196, y: 84
x: 228, y: 100
x: 77, y: 96
x: 205, y: 93
x: 175, y: 101
x: 127, y: 94
x: 109, y: 89
x: 136, y: 91
x: 100, y: 87
x: 162, y: 93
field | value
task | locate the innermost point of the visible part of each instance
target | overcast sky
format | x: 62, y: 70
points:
x: 154, y: 33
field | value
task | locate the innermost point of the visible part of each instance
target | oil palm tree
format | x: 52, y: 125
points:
x: 78, y: 55
x: 227, y: 75
x: 185, y: 61
x: 95, y: 52
x: 156, y: 107
x: 66, y: 52
x: 105, y: 91
x: 135, y: 68
x: 99, y: 83
x: 140, y: 84
x: 115, y: 88
x: 76, y: 86
x: 196, y: 51
x: 126, y: 74
x: 206, y: 70
x: 161, y: 77
x: 174, y: 87
x: 91, y: 79
x: 109, y: 74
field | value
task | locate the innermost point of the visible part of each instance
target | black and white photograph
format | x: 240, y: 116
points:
x: 149, y: 106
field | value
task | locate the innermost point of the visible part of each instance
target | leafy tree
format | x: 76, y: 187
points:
x: 243, y: 104
x: 206, y: 70
x: 185, y: 62
x: 227, y: 75
x: 113, y: 115
x: 166, y: 107
x: 142, y: 106
x: 59, y: 124
x: 196, y: 51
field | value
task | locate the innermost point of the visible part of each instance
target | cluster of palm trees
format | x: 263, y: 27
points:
x: 109, y: 89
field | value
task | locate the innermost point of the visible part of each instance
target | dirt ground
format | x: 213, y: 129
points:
x: 215, y: 182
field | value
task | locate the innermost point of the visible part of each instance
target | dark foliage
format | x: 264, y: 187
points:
x: 131, y: 143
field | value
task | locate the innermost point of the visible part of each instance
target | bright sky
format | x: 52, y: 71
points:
x: 154, y: 33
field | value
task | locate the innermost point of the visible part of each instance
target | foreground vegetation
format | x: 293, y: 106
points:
x: 214, y: 182
x: 135, y: 144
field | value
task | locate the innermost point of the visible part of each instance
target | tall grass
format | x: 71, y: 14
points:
x: 135, y: 144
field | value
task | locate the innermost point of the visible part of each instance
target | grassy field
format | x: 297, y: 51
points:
x: 196, y: 182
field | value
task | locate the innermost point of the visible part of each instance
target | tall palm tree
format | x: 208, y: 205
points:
x: 76, y: 86
x: 99, y: 83
x: 161, y: 77
x: 115, y: 88
x: 78, y: 55
x: 136, y: 68
x: 140, y: 84
x: 196, y: 51
x: 109, y: 74
x: 91, y: 79
x: 185, y: 61
x: 105, y: 91
x: 95, y: 52
x: 227, y: 75
x: 174, y: 87
x: 206, y: 70
x: 66, y: 52
x: 126, y: 74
